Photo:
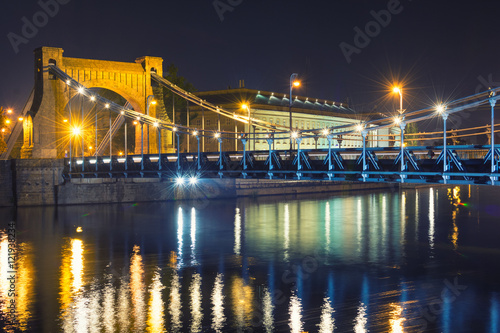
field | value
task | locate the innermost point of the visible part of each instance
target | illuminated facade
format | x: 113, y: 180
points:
x: 307, y: 114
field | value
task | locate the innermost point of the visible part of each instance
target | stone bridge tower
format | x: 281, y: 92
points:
x: 44, y: 122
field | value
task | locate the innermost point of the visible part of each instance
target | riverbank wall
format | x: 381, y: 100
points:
x: 40, y: 183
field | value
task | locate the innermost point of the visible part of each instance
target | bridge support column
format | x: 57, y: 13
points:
x: 402, y: 126
x: 270, y: 142
x: 445, y: 151
x: 244, y: 159
x: 299, y: 166
x: 221, y: 161
x: 142, y: 148
x: 159, y: 153
x: 199, y: 163
x: 329, y: 137
x: 178, y: 152
x: 493, y: 152
x: 363, y: 174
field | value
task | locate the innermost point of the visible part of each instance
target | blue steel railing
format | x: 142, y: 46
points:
x: 423, y: 164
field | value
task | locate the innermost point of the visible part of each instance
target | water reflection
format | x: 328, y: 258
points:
x: 175, y: 307
x: 295, y: 312
x: 111, y: 279
x: 286, y: 233
x: 237, y: 232
x: 180, y: 238
x: 242, y: 302
x: 156, y: 304
x: 396, y: 321
x: 218, y: 317
x: 194, y: 261
x: 431, y: 220
x: 196, y: 302
x: 455, y: 200
x: 268, y: 309
x: 16, y: 283
x: 123, y: 302
x: 108, y: 305
x: 327, y: 322
x: 361, y: 319
x: 137, y: 288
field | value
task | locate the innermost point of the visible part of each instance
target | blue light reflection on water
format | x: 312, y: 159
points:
x: 385, y: 261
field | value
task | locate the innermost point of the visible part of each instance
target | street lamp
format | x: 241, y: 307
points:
x: 398, y: 90
x: 441, y: 109
x: 148, y: 103
x: 293, y: 83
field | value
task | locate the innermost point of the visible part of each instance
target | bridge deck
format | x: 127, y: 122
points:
x: 466, y: 165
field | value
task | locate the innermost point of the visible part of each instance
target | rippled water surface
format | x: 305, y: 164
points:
x: 416, y: 260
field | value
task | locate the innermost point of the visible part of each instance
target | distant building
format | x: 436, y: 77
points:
x: 307, y: 114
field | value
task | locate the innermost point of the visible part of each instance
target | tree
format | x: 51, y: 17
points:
x: 412, y: 128
x: 179, y: 103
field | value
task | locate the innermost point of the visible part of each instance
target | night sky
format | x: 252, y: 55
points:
x: 440, y: 50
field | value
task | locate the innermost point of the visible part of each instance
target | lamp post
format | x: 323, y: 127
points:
x: 293, y: 83
x: 444, y: 114
x: 399, y: 91
x: 247, y: 107
x: 148, y: 103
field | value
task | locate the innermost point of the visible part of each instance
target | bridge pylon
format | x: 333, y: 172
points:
x: 46, y: 131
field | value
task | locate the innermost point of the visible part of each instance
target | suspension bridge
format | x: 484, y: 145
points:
x: 445, y: 164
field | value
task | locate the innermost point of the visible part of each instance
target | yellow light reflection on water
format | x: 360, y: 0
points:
x: 196, y: 302
x: 175, y: 308
x: 455, y: 199
x: 108, y: 305
x: 295, y: 312
x: 237, y: 232
x: 137, y: 289
x: 77, y: 264
x: 65, y: 279
x: 74, y: 310
x: 242, y: 299
x: 156, y: 321
x: 217, y: 298
x: 25, y: 285
x: 396, y: 321
x: 123, y: 312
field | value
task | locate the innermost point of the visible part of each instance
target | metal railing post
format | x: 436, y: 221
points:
x: 221, y: 162
x: 493, y: 165
x: 402, y: 126
x: 270, y: 142
x: 363, y: 174
x: 445, y: 152
x: 244, y: 174
x: 299, y: 166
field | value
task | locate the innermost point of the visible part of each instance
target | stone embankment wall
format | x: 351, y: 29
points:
x: 40, y: 182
